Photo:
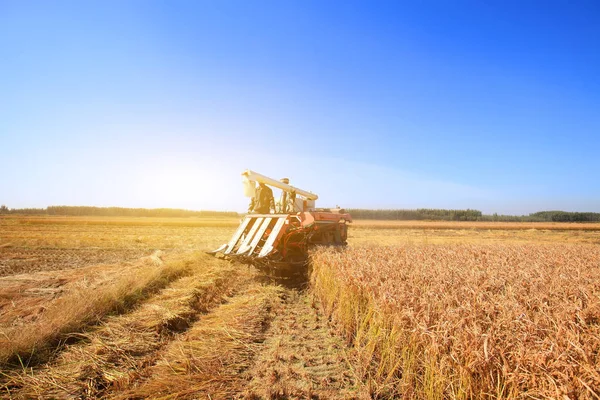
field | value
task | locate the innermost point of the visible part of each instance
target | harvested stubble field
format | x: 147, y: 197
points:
x: 132, y: 308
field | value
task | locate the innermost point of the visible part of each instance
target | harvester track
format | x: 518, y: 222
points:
x: 226, y: 331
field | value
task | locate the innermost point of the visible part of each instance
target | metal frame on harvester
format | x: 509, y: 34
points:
x: 280, y: 242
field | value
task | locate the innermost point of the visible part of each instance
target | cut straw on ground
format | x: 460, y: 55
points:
x: 301, y: 358
x: 81, y: 306
x: 113, y: 355
x: 209, y: 360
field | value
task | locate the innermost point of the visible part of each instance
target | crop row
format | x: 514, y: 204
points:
x: 467, y: 321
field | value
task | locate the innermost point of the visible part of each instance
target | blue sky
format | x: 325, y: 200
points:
x: 446, y: 104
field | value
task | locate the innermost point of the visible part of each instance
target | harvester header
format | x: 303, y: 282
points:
x: 279, y: 239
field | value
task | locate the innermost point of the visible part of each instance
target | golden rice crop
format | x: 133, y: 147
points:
x: 468, y: 321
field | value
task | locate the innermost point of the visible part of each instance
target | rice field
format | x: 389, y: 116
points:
x: 468, y: 320
x: 133, y: 308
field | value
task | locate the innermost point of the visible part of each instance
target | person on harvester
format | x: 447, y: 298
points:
x: 263, y: 201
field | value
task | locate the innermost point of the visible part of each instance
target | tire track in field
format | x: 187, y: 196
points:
x: 216, y: 334
x: 211, y: 358
x: 267, y: 342
x: 301, y: 358
x: 113, y: 355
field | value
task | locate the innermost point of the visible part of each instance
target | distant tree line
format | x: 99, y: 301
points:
x: 25, y: 211
x: 418, y: 214
x: 389, y: 214
x: 115, y: 212
x: 564, y: 216
x: 471, y: 215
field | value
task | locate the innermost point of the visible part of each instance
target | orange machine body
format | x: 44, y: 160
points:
x: 283, y: 239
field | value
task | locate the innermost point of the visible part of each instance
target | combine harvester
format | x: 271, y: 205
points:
x: 278, y: 243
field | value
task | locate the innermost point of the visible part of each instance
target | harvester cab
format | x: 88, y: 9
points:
x: 280, y: 241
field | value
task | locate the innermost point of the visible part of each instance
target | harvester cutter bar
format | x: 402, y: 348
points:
x: 268, y: 246
x: 236, y: 236
x: 256, y: 236
x: 244, y: 247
